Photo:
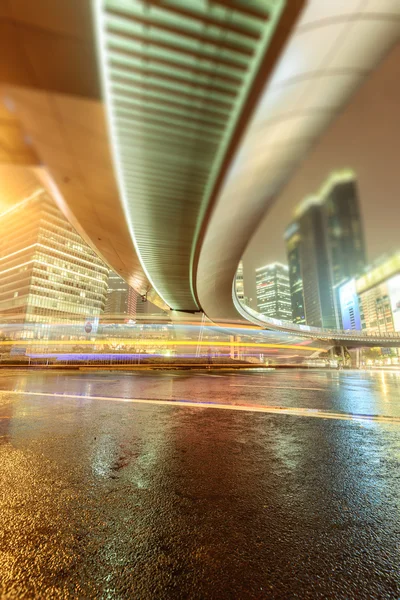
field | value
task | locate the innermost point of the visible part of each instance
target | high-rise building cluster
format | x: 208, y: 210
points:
x: 124, y: 304
x: 325, y: 248
x: 327, y: 282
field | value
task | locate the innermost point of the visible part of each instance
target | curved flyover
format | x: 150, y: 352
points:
x: 334, y: 47
x: 132, y: 112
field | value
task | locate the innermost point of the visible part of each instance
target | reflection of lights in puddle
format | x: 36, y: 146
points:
x: 103, y: 456
x: 384, y: 386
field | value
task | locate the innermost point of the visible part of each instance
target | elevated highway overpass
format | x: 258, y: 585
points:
x: 166, y: 130
x: 131, y: 112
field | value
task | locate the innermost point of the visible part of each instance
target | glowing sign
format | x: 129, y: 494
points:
x: 379, y: 274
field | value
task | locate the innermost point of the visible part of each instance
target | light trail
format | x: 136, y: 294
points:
x: 314, y: 413
x: 152, y: 343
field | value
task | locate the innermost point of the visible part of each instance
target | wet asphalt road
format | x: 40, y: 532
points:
x: 105, y: 497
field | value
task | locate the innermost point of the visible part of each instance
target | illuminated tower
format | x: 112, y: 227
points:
x: 345, y: 239
x: 273, y: 291
x: 48, y: 274
x: 239, y: 282
x: 315, y: 269
x: 293, y: 249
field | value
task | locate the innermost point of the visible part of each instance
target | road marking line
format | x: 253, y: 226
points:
x: 281, y: 410
x: 278, y: 387
x: 210, y: 375
x: 93, y: 379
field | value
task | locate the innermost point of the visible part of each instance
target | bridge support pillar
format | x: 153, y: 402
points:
x: 352, y: 359
x: 343, y: 354
x: 358, y: 356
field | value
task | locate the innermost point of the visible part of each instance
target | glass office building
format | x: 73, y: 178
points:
x: 345, y: 238
x: 48, y: 274
x: 315, y: 269
x: 273, y: 291
x: 239, y: 283
x: 378, y: 293
x: 293, y: 248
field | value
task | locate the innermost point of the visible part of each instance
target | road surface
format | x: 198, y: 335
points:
x: 277, y: 484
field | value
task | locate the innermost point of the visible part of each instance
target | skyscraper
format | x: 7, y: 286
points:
x: 317, y: 285
x: 372, y: 301
x: 325, y: 247
x: 121, y: 299
x: 293, y: 244
x: 345, y: 237
x: 48, y: 274
x: 273, y: 291
x: 378, y: 292
x: 239, y: 282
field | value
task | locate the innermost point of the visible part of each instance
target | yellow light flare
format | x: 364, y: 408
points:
x: 135, y: 342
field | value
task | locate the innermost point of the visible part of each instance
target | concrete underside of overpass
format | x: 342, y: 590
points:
x: 54, y: 120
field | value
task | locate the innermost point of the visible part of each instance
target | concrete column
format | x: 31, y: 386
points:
x: 343, y: 355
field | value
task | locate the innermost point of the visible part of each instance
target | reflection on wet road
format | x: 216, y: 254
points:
x: 200, y: 485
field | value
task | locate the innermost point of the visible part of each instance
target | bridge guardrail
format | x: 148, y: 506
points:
x: 308, y: 330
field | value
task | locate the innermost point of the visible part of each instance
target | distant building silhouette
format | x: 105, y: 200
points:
x: 121, y: 299
x: 293, y: 243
